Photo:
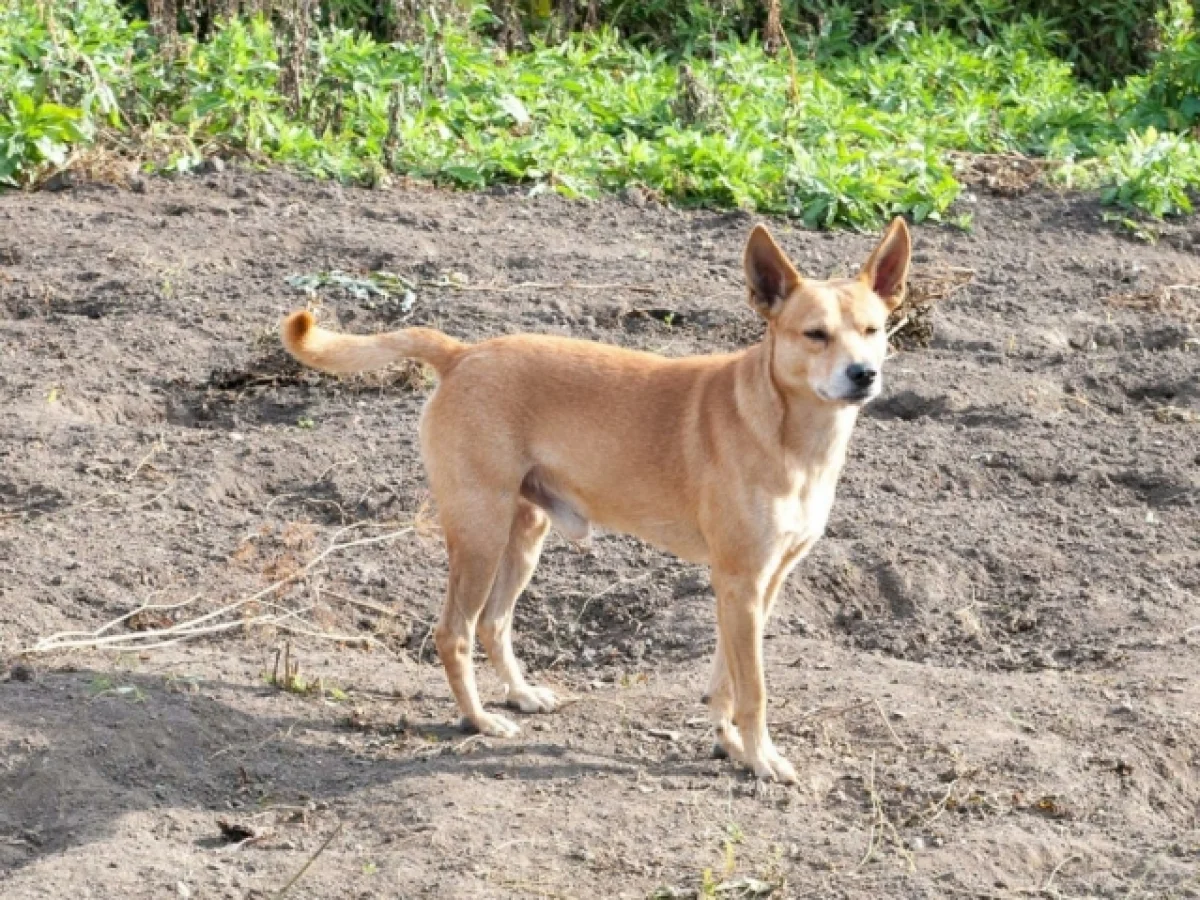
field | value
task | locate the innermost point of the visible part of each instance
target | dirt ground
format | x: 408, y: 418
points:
x: 986, y: 673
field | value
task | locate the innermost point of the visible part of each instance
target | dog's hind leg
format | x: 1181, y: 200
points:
x: 476, y: 539
x: 525, y: 540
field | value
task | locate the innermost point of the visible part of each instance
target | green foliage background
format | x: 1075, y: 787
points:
x: 858, y: 125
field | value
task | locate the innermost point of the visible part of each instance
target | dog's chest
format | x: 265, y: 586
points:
x: 802, y: 514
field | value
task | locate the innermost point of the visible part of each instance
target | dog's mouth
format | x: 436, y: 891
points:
x: 853, y: 398
x: 860, y: 397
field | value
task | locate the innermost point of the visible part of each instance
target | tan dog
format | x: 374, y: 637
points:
x: 729, y: 460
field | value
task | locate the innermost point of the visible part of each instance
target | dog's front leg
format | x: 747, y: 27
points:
x: 719, y: 698
x: 741, y: 611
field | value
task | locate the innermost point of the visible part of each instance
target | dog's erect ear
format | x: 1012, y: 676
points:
x: 886, y: 272
x: 770, y: 276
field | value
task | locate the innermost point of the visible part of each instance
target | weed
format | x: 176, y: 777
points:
x: 286, y: 676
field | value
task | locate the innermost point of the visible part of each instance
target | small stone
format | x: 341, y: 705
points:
x: 663, y: 735
x: 634, y: 196
x: 60, y: 181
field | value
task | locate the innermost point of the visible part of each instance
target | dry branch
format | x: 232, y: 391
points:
x: 217, y: 621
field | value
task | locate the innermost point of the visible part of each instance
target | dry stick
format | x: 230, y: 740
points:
x: 171, y: 637
x: 364, y: 604
x: 624, y: 582
x: 324, y: 635
x: 941, y: 804
x: 424, y: 641
x: 86, y: 504
x: 156, y: 497
x: 276, y: 735
x: 145, y: 607
x: 875, y: 821
x: 158, y: 445
x: 193, y: 628
x: 1050, y: 880
x: 895, y: 737
x: 895, y: 330
x: 824, y: 713
x: 374, y: 607
x: 312, y: 859
x: 545, y: 286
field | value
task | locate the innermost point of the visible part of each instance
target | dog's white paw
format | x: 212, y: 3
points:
x: 768, y: 764
x: 493, y: 725
x: 533, y: 700
x: 729, y: 741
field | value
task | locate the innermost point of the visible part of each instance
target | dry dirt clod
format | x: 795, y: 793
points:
x: 20, y: 672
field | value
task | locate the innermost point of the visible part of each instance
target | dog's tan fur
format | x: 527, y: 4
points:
x: 729, y: 460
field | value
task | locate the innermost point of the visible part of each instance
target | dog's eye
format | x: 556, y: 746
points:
x: 817, y: 334
x: 872, y: 331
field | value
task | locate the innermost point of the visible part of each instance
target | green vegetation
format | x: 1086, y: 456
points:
x: 845, y: 133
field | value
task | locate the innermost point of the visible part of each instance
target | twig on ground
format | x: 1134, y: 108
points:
x: 825, y: 712
x: 545, y: 286
x: 312, y: 859
x: 372, y: 606
x: 276, y: 735
x: 878, y: 813
x: 210, y: 623
x: 940, y: 806
x: 880, y: 822
x: 624, y: 582
x: 888, y: 725
x: 443, y: 749
x: 1048, y: 883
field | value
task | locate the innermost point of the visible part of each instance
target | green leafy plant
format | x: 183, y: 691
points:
x: 846, y: 134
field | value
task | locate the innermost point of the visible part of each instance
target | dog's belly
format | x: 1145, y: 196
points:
x: 678, y: 539
x: 575, y: 520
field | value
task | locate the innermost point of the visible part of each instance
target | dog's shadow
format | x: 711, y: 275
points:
x: 80, y: 750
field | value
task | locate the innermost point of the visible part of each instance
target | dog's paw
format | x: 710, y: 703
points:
x: 533, y: 700
x: 728, y: 743
x: 492, y: 725
x: 769, y: 765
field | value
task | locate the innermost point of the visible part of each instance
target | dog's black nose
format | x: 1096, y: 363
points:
x: 862, y: 377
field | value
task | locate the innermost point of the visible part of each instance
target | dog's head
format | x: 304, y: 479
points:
x: 830, y: 336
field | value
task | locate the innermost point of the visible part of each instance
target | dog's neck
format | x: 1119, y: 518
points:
x: 812, y: 433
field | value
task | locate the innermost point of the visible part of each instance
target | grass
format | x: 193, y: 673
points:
x: 842, y: 140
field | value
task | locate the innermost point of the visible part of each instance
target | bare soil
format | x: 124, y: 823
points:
x: 987, y: 672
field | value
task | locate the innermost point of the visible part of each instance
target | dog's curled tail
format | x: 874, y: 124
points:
x: 339, y: 354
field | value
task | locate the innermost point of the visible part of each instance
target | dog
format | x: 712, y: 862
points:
x: 729, y: 460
